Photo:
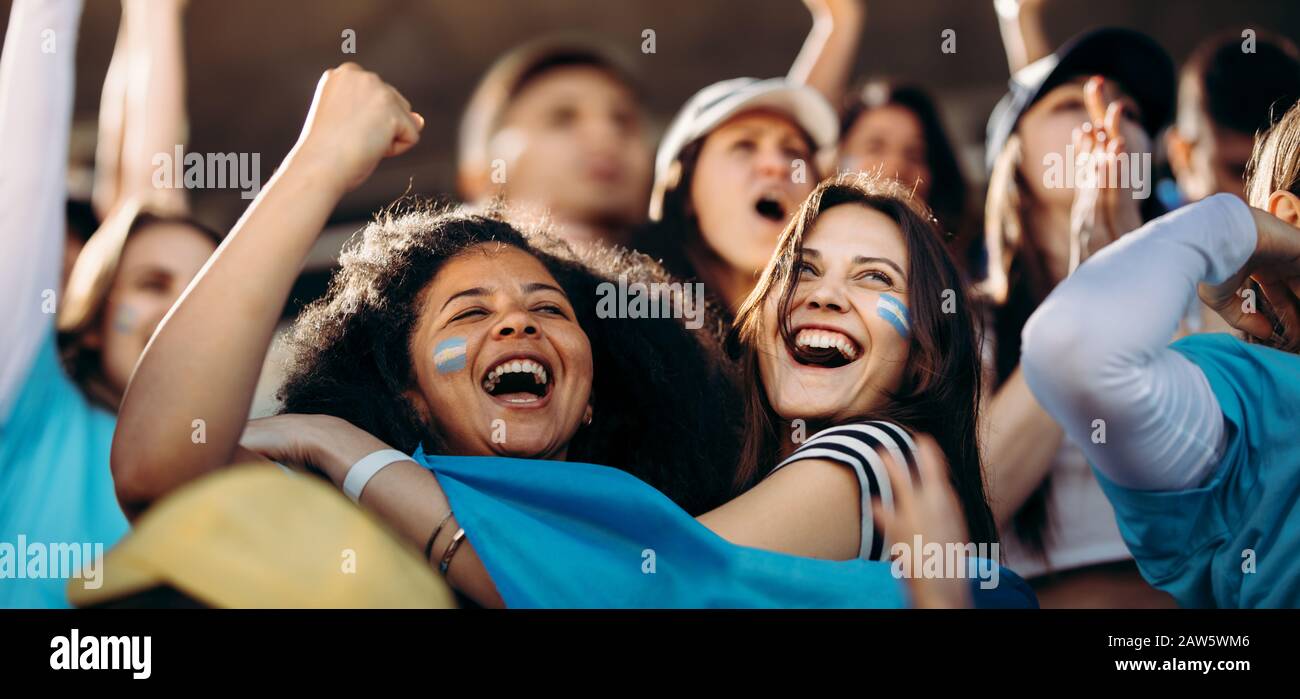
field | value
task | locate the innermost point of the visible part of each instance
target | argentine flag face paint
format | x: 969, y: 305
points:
x: 893, y: 310
x: 449, y: 355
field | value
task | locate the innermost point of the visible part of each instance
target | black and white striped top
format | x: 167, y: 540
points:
x: 860, y: 446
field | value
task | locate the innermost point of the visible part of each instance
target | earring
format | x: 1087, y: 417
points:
x: 587, y: 416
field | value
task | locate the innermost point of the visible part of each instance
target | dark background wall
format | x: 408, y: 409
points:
x: 253, y: 64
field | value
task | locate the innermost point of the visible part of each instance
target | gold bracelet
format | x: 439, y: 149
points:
x: 451, y: 550
x: 428, y: 548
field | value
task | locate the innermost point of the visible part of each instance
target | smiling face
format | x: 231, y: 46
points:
x: 848, y: 319
x: 574, y: 144
x: 744, y: 189
x: 889, y: 139
x: 501, y: 364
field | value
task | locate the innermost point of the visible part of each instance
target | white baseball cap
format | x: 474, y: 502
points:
x: 711, y: 107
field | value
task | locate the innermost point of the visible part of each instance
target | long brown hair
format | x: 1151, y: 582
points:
x: 940, y: 395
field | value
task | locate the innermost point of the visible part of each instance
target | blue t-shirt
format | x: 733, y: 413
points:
x: 57, y: 502
x: 1235, y: 540
x: 554, y: 534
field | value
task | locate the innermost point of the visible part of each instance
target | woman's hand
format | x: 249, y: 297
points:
x: 1275, y: 266
x: 322, y: 443
x: 1021, y: 25
x: 825, y: 62
x: 928, y: 509
x: 1101, y: 213
x: 356, y: 120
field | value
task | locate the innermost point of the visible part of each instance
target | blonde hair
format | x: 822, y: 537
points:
x: 1275, y: 163
x: 92, y: 275
x: 1004, y: 216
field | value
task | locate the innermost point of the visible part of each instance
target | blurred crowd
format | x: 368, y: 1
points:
x: 1077, y: 377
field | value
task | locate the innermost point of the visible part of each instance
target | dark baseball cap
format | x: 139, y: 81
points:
x: 1129, y: 57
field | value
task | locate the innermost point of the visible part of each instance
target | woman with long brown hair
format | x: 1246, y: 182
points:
x: 859, y: 316
x: 1100, y: 99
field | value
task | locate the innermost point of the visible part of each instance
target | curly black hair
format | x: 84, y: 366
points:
x: 664, y: 398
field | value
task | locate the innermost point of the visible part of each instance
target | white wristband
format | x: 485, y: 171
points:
x: 362, y: 471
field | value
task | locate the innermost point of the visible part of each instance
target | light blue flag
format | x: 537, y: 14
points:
x: 556, y: 534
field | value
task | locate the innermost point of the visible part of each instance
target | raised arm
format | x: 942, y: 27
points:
x: 825, y: 63
x: 203, y: 362
x: 36, y: 80
x: 1020, y: 438
x: 1096, y: 352
x: 112, y: 118
x: 1023, y: 37
x: 142, y: 110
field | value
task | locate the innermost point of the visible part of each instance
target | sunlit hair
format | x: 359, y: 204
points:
x: 81, y: 312
x: 940, y: 394
x: 1275, y: 164
x: 1005, y: 213
x: 1274, y: 167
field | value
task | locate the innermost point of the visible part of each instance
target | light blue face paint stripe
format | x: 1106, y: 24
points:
x: 893, y: 310
x: 125, y: 320
x: 893, y: 319
x: 449, y: 355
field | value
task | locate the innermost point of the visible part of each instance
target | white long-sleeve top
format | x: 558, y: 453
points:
x: 36, y: 89
x: 1097, y: 348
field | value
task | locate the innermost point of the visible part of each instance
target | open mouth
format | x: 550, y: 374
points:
x: 824, y: 348
x: 518, y: 380
x: 770, y: 207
